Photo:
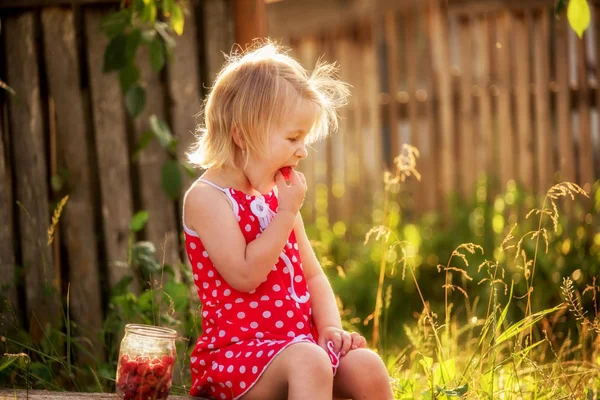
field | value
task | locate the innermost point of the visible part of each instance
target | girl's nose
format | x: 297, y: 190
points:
x: 302, y: 152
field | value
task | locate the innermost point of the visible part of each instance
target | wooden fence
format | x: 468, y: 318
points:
x: 501, y: 88
x: 492, y: 88
x: 67, y: 121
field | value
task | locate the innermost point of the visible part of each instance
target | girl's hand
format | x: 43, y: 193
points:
x: 343, y: 341
x: 291, y: 197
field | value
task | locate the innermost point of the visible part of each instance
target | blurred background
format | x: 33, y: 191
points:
x: 500, y: 97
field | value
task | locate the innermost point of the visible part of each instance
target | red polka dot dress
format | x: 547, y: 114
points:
x: 244, y: 332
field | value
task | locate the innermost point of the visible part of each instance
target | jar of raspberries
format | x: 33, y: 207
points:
x: 146, y: 361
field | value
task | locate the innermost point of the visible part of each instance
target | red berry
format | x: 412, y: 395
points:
x: 159, y: 369
x: 151, y: 380
x: 124, y: 358
x: 168, y: 360
x: 143, y: 369
x: 155, y: 360
x: 286, y: 171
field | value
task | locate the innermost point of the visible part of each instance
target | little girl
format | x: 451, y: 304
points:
x: 271, y: 327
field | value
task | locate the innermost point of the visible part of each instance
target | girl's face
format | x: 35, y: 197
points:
x: 286, y: 147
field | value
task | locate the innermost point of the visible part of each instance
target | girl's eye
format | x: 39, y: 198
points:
x: 293, y: 140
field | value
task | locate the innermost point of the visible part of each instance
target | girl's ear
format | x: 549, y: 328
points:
x: 235, y: 133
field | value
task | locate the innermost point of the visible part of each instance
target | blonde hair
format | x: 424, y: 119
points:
x: 253, y: 93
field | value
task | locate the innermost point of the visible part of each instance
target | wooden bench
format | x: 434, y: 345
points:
x: 6, y: 394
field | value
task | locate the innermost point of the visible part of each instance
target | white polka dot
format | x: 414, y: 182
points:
x: 228, y: 306
x: 258, y: 235
x: 243, y: 385
x: 253, y: 304
x: 274, y: 268
x: 253, y: 325
x: 252, y: 291
x: 235, y: 339
x: 242, y: 369
x: 213, y: 388
x: 289, y: 245
x: 227, y: 292
x: 248, y: 354
x: 229, y: 354
x: 228, y: 384
x: 266, y: 314
x: 221, y: 367
x: 195, y: 277
x: 241, y: 315
x: 276, y: 288
x: 205, y: 285
x: 264, y: 298
x: 279, y: 303
x: 260, y: 335
x: 211, y: 274
x: 214, y: 293
x: 278, y: 324
x: 271, y: 353
x: 296, y: 246
x: 291, y: 334
x: 193, y: 246
x: 298, y: 278
x: 205, y: 253
x: 300, y: 325
x: 244, y: 329
x: 215, y: 366
x: 222, y: 333
x: 294, y: 259
x: 218, y: 283
x: 259, y: 354
x: 286, y: 270
x: 223, y: 396
x: 199, y: 265
x: 290, y: 313
x: 254, y: 369
x: 240, y: 300
x: 202, y: 362
x: 204, y: 313
x: 209, y: 379
x: 193, y: 359
x: 248, y: 228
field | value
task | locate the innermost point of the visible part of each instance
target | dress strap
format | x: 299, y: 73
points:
x: 213, y: 185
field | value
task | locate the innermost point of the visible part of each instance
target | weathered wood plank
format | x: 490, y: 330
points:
x: 218, y: 35
x: 7, y: 394
x: 50, y: 3
x: 566, y: 152
x: 185, y: 89
x: 584, y: 144
x: 42, y: 286
x: 505, y: 132
x: 161, y: 228
x: 111, y: 149
x: 250, y: 21
x: 467, y: 149
x: 438, y: 34
x: 77, y: 222
x: 7, y: 239
x: 484, y: 135
x: 391, y: 42
x: 544, y: 136
x: 520, y: 38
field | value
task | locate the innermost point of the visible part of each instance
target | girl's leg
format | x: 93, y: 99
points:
x: 301, y: 371
x: 362, y: 376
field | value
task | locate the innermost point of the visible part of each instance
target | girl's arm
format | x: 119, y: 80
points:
x: 243, y: 266
x: 324, y: 307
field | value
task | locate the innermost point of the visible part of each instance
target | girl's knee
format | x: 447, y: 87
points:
x: 309, y: 358
x: 369, y: 366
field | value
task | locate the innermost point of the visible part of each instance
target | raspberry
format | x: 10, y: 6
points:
x: 286, y: 171
x: 155, y: 360
x: 143, y: 369
x: 159, y: 369
x: 151, y: 380
x: 168, y: 360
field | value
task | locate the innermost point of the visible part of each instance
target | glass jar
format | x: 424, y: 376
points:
x: 146, y: 361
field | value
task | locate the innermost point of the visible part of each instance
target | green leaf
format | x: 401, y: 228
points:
x: 427, y: 364
x: 114, y: 55
x: 445, y: 372
x: 162, y: 132
x: 149, y: 12
x: 560, y: 6
x: 114, y: 24
x: 167, y: 6
x: 133, y: 42
x: 456, y: 392
x: 171, y: 179
x: 177, y: 19
x: 578, y: 14
x: 142, y: 144
x: 128, y: 77
x: 7, y: 362
x: 157, y: 54
x: 135, y: 100
x: 139, y: 221
x: 122, y: 287
x: 178, y: 293
x: 525, y: 324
